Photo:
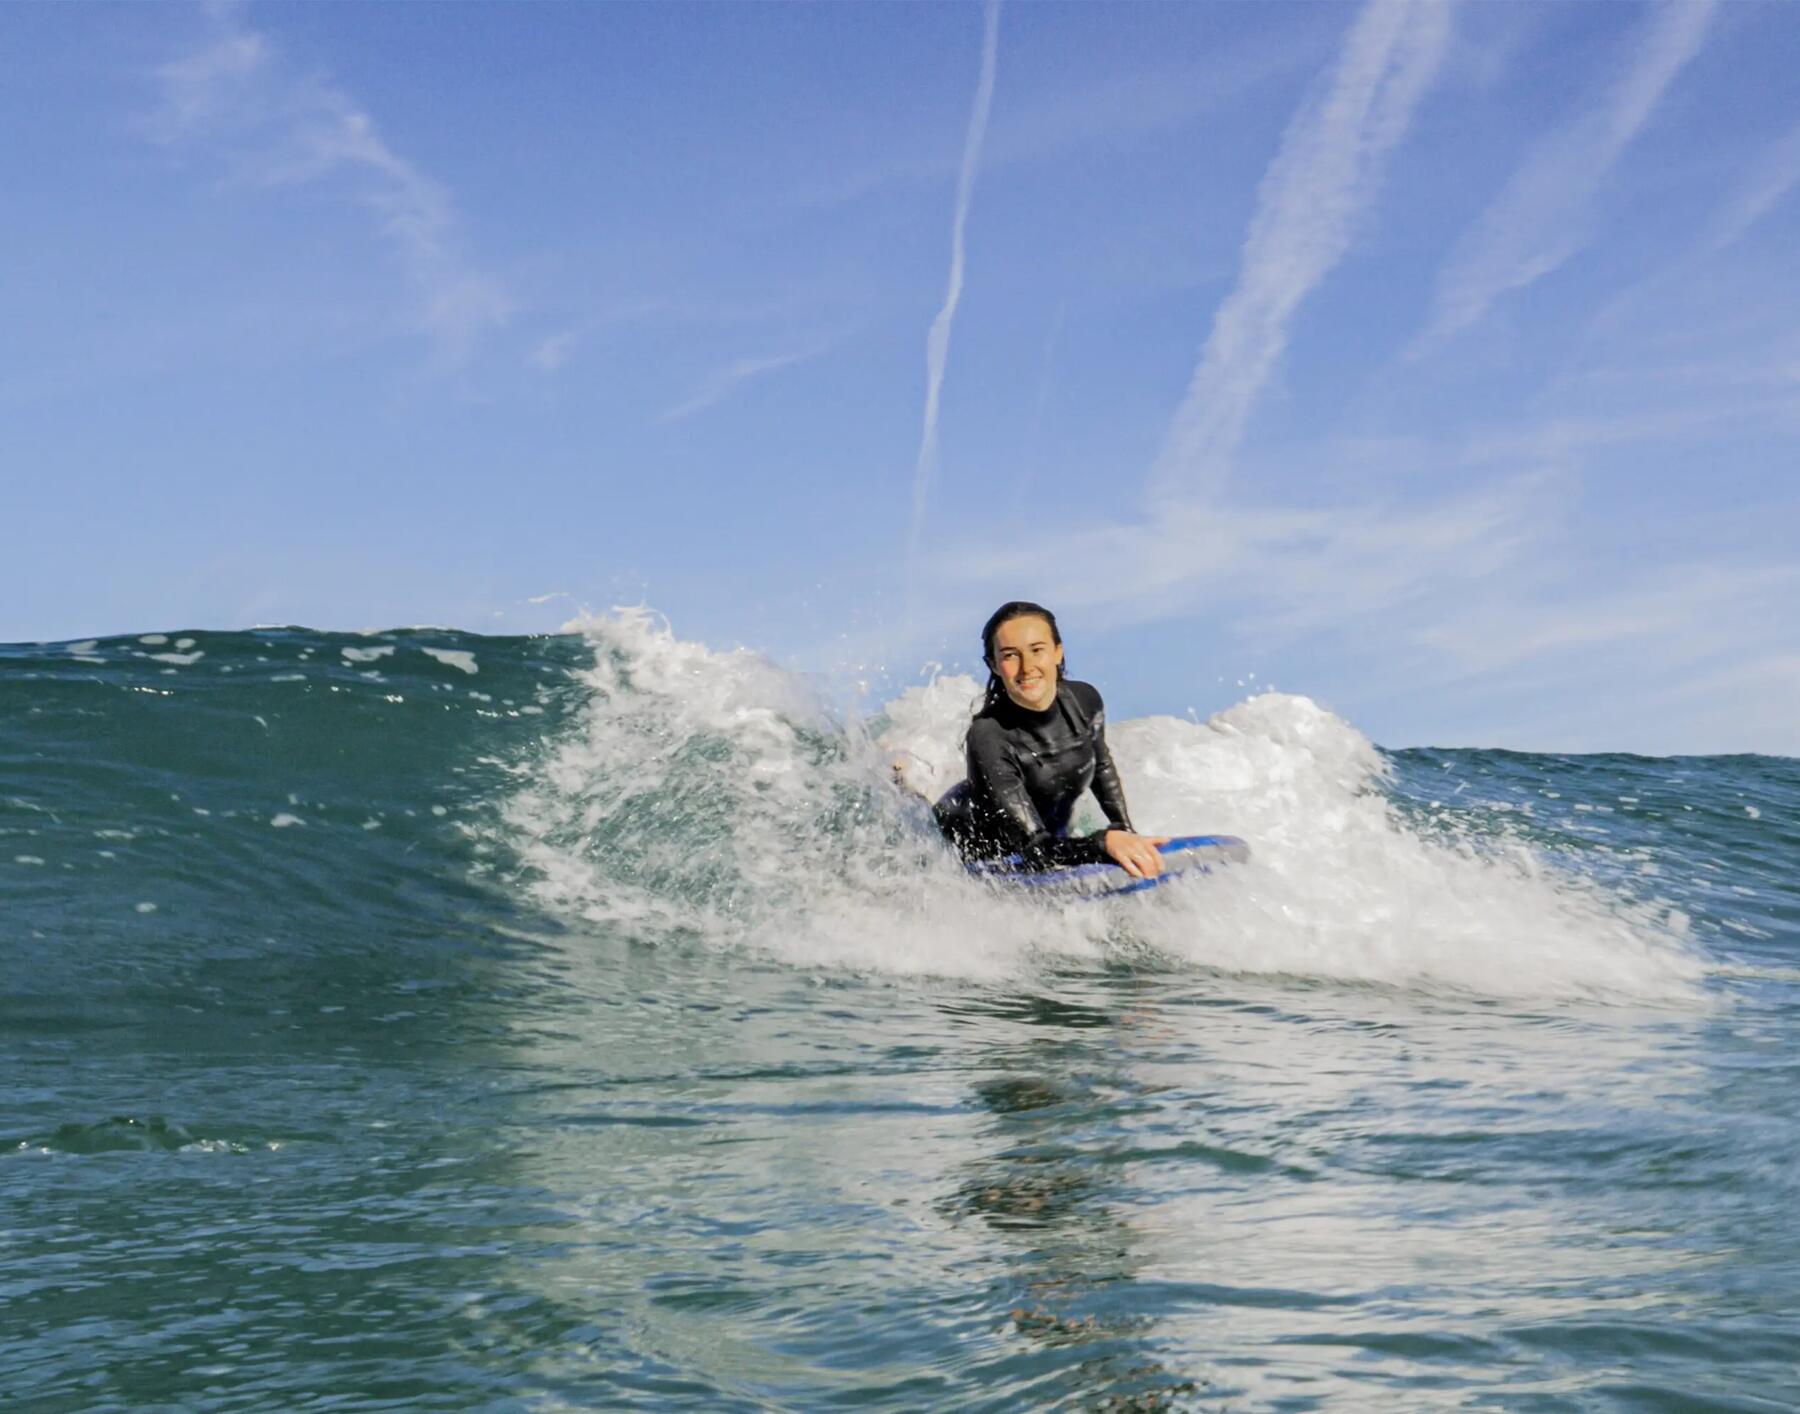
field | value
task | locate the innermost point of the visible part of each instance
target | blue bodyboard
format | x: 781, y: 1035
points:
x: 1185, y: 855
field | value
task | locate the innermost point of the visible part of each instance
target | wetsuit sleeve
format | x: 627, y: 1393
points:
x: 992, y: 767
x: 1108, y: 789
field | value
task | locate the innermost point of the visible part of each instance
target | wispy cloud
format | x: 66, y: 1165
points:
x: 1474, y: 617
x: 1108, y: 111
x: 553, y: 352
x: 774, y: 306
x: 1748, y: 705
x: 279, y: 129
x: 1775, y: 174
x: 937, y: 341
x: 1695, y: 654
x: 1327, y: 170
x: 1280, y: 572
x: 726, y: 381
x: 203, y: 87
x: 1677, y: 611
x: 1541, y: 216
x: 1558, y: 438
x: 1718, y: 325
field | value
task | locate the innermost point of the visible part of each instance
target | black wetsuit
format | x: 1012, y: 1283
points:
x: 1026, y: 771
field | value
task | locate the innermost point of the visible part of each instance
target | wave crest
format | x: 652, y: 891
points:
x: 713, y: 796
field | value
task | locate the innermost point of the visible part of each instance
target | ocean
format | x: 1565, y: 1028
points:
x: 424, y: 1020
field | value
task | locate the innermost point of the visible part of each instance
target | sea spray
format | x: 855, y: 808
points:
x: 714, y: 796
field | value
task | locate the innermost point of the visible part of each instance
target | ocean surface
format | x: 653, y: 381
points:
x: 422, y: 1020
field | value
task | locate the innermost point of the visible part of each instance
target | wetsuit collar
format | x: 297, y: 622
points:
x: 1026, y: 715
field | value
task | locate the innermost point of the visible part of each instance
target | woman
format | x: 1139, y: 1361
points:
x: 1037, y: 742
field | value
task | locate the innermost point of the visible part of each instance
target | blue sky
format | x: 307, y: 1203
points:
x: 1441, y: 362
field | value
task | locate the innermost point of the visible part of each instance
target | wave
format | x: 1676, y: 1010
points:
x: 619, y: 777
x: 712, y: 798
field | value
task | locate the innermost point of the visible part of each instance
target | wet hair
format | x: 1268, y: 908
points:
x: 1012, y: 609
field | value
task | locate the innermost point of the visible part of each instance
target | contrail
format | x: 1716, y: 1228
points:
x: 937, y: 342
x: 1329, y: 167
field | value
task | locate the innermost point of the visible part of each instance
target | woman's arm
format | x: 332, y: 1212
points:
x: 1108, y: 789
x: 1136, y: 854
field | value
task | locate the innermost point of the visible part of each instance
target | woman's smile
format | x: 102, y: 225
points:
x: 1029, y: 660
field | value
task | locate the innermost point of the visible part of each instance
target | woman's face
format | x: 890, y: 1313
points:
x: 1028, y: 659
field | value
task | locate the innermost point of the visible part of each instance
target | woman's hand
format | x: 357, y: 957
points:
x: 1135, y: 854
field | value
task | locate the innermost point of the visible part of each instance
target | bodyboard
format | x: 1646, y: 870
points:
x: 1183, y: 856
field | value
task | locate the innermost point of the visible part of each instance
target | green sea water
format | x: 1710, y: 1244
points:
x: 432, y: 1021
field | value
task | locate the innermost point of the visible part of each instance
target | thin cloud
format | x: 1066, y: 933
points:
x: 552, y: 353
x: 1676, y: 613
x: 729, y: 379
x: 688, y: 310
x: 1072, y: 115
x: 1559, y: 437
x: 279, y: 130
x: 1692, y: 648
x: 1771, y: 179
x: 1540, y: 218
x: 937, y: 341
x: 1278, y: 572
x: 1327, y: 171
x: 1465, y: 617
x: 203, y: 86
x: 1745, y: 705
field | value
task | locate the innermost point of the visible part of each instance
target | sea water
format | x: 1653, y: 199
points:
x: 421, y: 1020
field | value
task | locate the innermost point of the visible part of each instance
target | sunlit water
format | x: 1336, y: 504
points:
x: 429, y: 1021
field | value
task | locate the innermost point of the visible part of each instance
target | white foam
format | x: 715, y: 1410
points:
x: 711, y: 794
x: 455, y: 658
x: 180, y: 660
x: 284, y: 820
x: 367, y: 655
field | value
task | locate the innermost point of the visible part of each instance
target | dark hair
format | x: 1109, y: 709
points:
x: 1012, y: 609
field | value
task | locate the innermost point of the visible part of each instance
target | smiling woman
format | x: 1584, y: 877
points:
x: 1037, y: 742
